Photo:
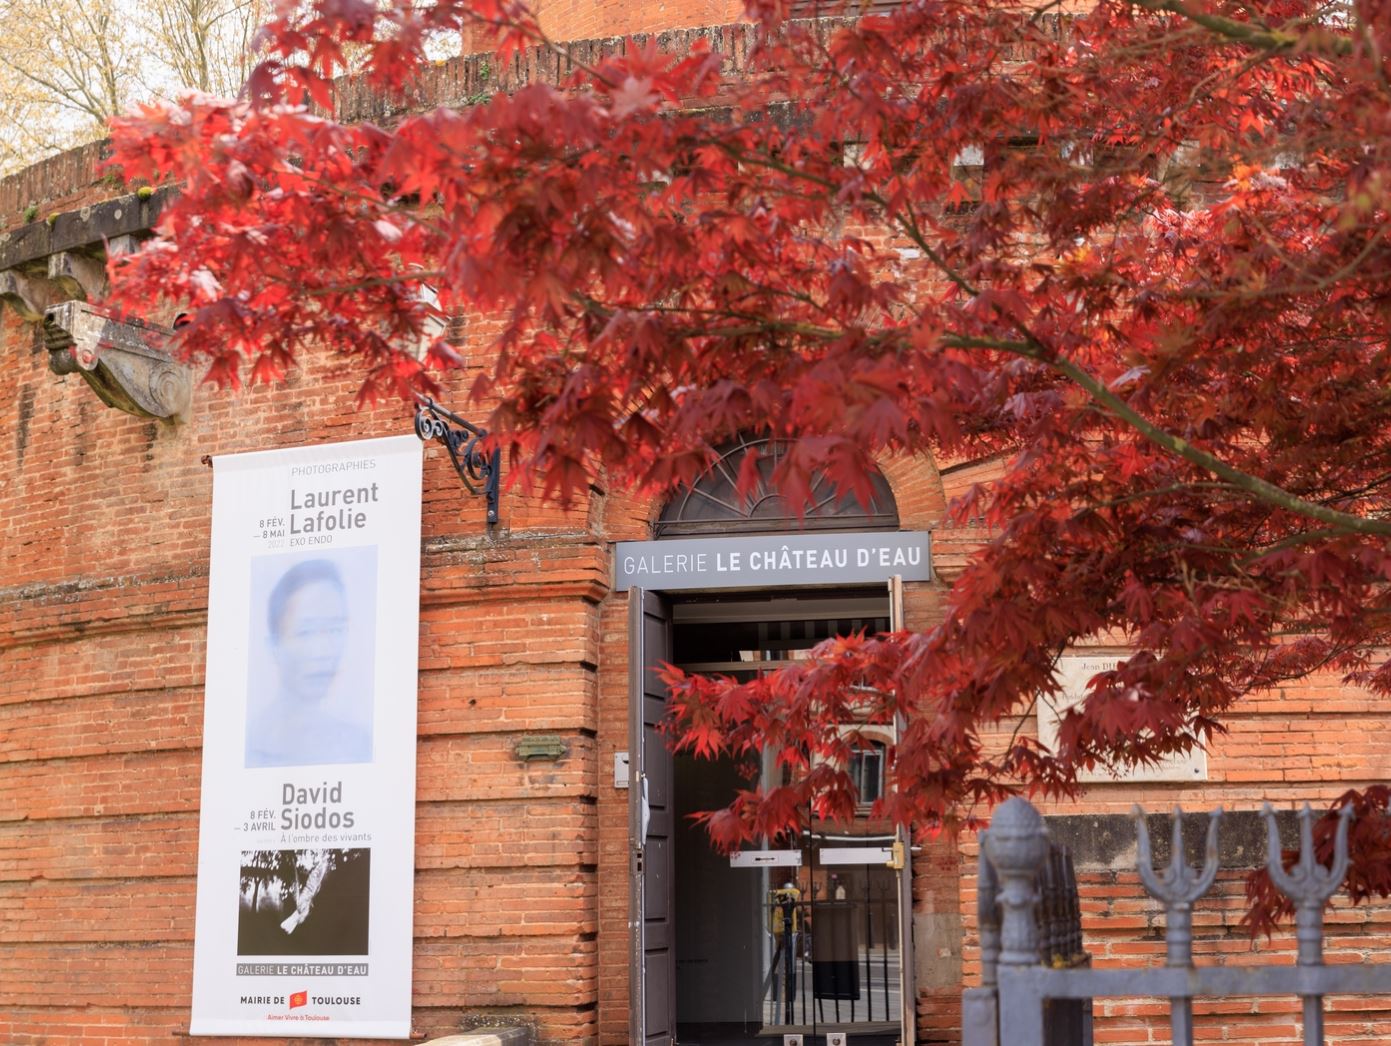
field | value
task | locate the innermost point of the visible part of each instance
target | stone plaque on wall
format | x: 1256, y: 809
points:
x: 1073, y: 672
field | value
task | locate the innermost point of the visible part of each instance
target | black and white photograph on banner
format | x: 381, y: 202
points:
x: 304, y: 902
x: 311, y: 651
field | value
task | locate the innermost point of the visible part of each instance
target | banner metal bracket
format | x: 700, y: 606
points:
x: 479, y: 470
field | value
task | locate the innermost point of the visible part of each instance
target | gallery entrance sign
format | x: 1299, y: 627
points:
x: 779, y: 560
x: 307, y: 828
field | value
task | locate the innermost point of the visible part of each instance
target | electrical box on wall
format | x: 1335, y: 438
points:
x: 837, y: 1038
x: 620, y: 770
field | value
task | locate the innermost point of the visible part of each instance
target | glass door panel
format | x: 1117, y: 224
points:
x: 855, y: 950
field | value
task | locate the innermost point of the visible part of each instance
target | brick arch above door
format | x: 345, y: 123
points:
x: 913, y: 483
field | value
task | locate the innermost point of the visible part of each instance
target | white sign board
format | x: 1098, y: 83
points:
x: 765, y: 859
x: 855, y: 855
x: 307, y: 830
x: 1073, y: 673
x: 771, y: 560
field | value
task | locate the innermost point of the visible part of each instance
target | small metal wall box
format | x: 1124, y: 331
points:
x: 542, y: 746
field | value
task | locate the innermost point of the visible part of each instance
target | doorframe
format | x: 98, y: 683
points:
x: 637, y: 886
x: 907, y: 965
x: 637, y: 668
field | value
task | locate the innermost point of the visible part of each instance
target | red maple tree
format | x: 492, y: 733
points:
x: 1138, y: 250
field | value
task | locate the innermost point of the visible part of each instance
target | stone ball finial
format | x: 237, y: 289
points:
x: 1017, y: 845
x: 1017, y: 839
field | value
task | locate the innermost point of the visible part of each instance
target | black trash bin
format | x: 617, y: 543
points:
x: 835, y: 951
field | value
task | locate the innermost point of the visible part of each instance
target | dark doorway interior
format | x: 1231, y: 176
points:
x: 764, y: 951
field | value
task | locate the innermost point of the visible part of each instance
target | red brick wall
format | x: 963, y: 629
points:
x: 103, y: 571
x: 103, y: 574
x: 588, y: 19
x: 59, y: 183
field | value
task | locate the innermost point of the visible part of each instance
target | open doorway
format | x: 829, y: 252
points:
x: 802, y: 936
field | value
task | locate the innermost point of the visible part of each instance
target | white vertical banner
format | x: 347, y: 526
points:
x: 306, y: 844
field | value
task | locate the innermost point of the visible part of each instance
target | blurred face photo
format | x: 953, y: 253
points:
x: 310, y: 660
x: 309, y: 639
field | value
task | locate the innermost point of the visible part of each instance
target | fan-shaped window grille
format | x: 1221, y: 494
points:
x: 713, y: 505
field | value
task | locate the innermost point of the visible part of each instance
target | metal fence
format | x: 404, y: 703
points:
x: 833, y: 961
x: 1037, y: 984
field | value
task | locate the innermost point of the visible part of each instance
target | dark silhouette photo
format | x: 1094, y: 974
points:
x: 304, y: 902
x: 311, y: 646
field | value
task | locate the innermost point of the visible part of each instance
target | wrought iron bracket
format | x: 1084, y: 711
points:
x: 479, y: 471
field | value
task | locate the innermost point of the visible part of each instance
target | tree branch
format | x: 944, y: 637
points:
x: 1253, y: 485
x: 1246, y: 33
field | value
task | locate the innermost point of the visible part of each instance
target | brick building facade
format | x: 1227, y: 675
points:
x: 522, y: 882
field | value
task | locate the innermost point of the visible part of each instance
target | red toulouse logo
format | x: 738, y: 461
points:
x: 299, y: 999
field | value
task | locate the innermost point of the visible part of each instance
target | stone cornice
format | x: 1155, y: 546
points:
x: 81, y: 228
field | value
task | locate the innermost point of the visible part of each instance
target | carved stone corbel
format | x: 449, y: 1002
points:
x: 123, y: 360
x: 28, y: 295
x: 79, y: 275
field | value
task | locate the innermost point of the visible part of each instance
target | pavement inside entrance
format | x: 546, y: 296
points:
x: 706, y: 1035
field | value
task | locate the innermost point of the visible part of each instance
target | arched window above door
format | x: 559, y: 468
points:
x: 713, y: 504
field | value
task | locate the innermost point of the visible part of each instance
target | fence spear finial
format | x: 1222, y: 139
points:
x: 1308, y: 884
x: 1178, y: 886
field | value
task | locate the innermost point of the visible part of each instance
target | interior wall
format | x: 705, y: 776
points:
x: 718, y: 913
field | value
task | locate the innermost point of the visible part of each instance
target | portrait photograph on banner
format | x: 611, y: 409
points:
x: 309, y: 669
